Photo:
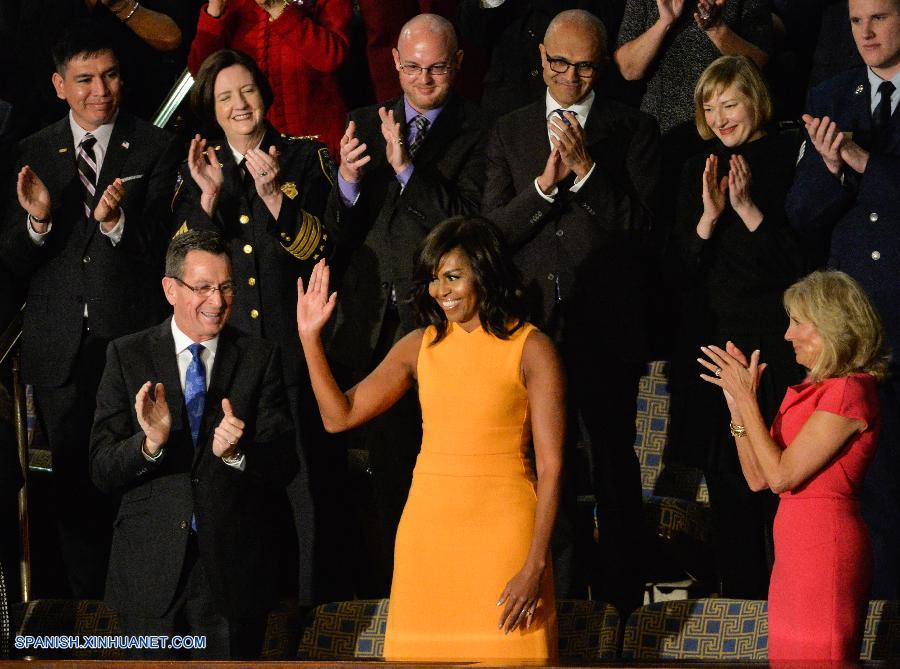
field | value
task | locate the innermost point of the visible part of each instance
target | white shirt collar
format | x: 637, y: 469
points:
x: 101, y: 134
x: 238, y: 156
x: 875, y: 82
x: 182, y: 341
x: 580, y: 109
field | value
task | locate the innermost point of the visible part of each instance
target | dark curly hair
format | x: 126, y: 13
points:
x: 501, y: 306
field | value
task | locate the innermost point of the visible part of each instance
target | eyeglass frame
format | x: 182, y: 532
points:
x: 594, y: 66
x: 198, y: 290
x: 417, y: 70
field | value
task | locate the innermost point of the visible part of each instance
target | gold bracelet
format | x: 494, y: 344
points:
x: 737, y: 431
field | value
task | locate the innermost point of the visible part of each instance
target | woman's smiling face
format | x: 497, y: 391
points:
x: 455, y: 290
x: 729, y: 115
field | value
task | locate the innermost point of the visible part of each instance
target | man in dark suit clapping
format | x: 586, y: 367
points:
x: 85, y: 229
x: 192, y: 424
x: 571, y: 181
x: 406, y: 165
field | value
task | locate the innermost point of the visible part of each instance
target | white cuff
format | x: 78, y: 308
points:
x: 580, y: 182
x: 551, y: 196
x: 115, y: 235
x: 37, y: 238
x: 491, y: 4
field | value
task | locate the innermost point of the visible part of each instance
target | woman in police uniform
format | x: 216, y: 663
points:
x: 266, y: 194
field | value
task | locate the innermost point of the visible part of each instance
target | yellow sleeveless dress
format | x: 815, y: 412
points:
x: 468, y: 522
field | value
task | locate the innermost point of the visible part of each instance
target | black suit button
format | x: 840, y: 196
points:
x: 183, y: 525
x: 86, y: 260
x: 560, y: 233
x: 551, y: 277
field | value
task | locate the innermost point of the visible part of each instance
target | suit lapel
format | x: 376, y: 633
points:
x: 219, y: 384
x: 534, y: 142
x: 116, y: 153
x: 392, y: 197
x: 165, y: 364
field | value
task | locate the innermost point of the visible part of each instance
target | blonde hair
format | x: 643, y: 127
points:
x: 850, y: 328
x: 745, y: 76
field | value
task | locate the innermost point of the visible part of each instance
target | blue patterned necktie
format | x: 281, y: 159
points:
x: 195, y: 390
x: 421, y: 124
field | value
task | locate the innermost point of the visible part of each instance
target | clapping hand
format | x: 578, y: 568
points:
x: 739, y: 178
x: 708, y: 14
x: 714, y: 190
x: 555, y: 170
x: 732, y: 372
x: 828, y: 141
x: 353, y: 155
x: 567, y: 136
x: 206, y: 172
x: 153, y: 416
x: 34, y: 198
x: 216, y: 7
x: 394, y: 146
x: 315, y: 305
x: 669, y: 10
x: 521, y: 598
x: 228, y: 433
x: 108, y: 209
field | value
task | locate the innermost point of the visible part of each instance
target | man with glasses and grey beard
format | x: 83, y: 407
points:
x: 571, y: 181
x: 405, y: 165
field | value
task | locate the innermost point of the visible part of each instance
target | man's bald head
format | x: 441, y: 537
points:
x: 427, y: 59
x: 582, y: 22
x: 436, y: 26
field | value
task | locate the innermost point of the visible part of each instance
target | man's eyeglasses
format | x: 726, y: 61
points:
x: 436, y: 70
x: 204, y: 291
x: 560, y: 65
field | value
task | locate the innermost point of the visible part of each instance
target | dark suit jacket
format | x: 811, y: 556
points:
x: 267, y: 255
x: 510, y: 34
x: 377, y: 238
x: 150, y: 533
x: 77, y: 264
x: 581, y: 256
x: 862, y: 215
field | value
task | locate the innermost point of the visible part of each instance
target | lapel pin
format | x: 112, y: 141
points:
x: 125, y: 145
x: 63, y: 150
x: 859, y: 89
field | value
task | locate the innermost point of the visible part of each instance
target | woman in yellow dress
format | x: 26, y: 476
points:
x: 472, y: 576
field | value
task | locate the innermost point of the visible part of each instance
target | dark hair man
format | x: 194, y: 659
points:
x: 85, y: 230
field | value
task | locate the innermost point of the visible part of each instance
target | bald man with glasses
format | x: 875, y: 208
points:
x: 571, y: 181
x: 405, y: 165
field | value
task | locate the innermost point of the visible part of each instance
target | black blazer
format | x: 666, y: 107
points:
x: 377, y: 238
x: 582, y: 257
x: 151, y: 529
x: 77, y: 264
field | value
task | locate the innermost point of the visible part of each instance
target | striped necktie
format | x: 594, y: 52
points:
x: 421, y: 123
x: 87, y: 171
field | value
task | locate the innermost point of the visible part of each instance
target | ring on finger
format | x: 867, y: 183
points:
x: 718, y: 372
x: 263, y: 173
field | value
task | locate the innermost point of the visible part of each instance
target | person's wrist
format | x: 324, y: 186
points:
x: 233, y: 457
x: 543, y: 184
x: 402, y: 167
x: 39, y: 224
x: 347, y: 175
x: 151, y: 447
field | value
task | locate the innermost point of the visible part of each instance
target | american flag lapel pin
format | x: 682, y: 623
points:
x: 860, y: 89
x: 125, y: 144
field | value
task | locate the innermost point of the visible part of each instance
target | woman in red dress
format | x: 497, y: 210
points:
x: 814, y: 458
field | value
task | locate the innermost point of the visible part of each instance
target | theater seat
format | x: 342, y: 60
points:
x: 881, y: 636
x: 355, y: 630
x: 698, y: 629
